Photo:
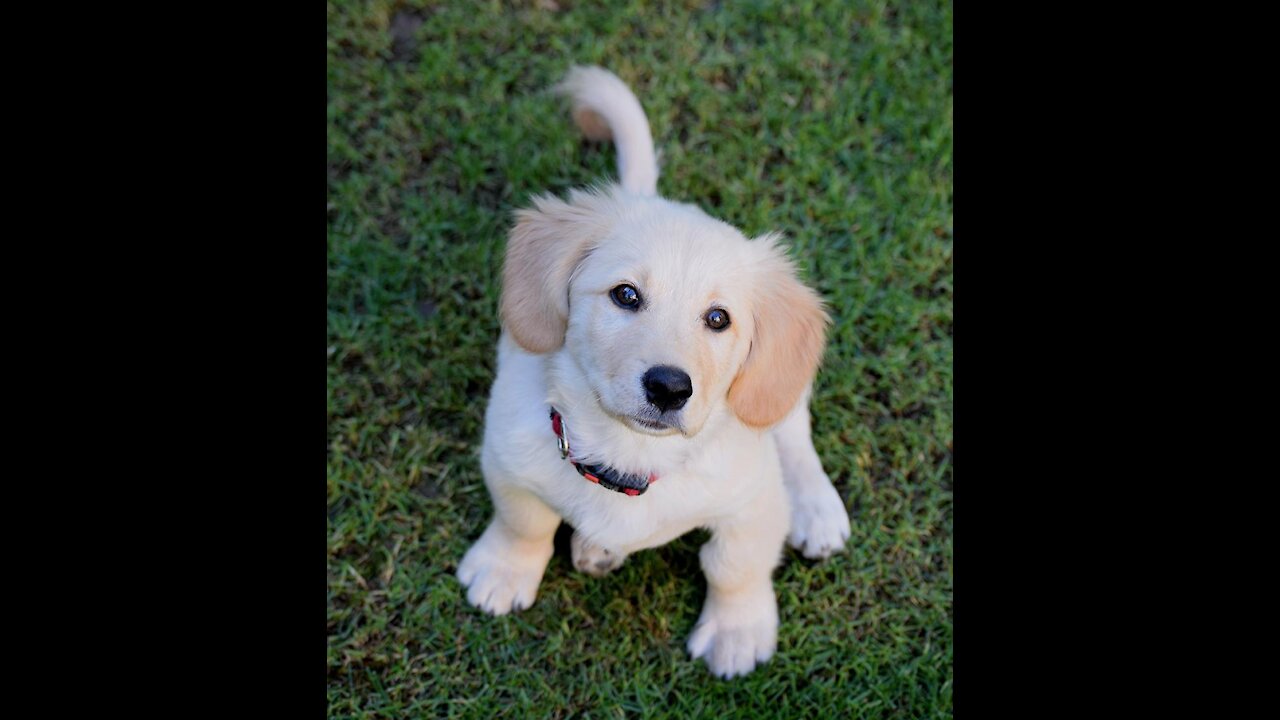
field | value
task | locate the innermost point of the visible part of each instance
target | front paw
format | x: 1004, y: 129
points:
x: 734, y: 636
x: 593, y: 559
x: 502, y: 577
x: 819, y: 522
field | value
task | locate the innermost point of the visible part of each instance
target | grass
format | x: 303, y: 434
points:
x: 831, y: 122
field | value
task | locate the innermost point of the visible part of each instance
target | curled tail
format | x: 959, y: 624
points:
x: 604, y: 107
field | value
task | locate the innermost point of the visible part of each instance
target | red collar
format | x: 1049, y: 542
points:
x: 602, y: 475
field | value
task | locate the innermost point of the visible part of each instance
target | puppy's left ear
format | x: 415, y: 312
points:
x: 786, y: 344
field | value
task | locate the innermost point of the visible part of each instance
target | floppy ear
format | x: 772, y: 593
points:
x: 786, y: 344
x: 543, y: 249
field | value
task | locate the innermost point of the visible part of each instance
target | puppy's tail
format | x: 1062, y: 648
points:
x: 604, y: 107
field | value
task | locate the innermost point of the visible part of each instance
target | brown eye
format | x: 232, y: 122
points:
x: 717, y: 319
x: 625, y: 296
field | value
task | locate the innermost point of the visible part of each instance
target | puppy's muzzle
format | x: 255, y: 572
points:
x: 666, y: 387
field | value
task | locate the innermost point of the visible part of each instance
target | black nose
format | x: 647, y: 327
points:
x: 666, y: 387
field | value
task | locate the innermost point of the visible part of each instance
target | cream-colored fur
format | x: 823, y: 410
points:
x: 736, y: 459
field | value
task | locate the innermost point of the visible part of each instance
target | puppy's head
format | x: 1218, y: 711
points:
x: 667, y: 313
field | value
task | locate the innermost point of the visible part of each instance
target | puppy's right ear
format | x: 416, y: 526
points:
x: 544, y: 247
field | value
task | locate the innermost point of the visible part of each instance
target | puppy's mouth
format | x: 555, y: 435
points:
x: 645, y: 420
x: 652, y: 425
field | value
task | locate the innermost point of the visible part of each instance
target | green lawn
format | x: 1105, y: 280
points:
x: 831, y: 122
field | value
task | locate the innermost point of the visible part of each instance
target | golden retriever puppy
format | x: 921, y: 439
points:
x: 653, y: 377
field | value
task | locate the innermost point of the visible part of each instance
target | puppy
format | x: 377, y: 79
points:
x: 654, y: 373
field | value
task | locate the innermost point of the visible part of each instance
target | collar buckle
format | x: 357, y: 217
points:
x: 562, y: 433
